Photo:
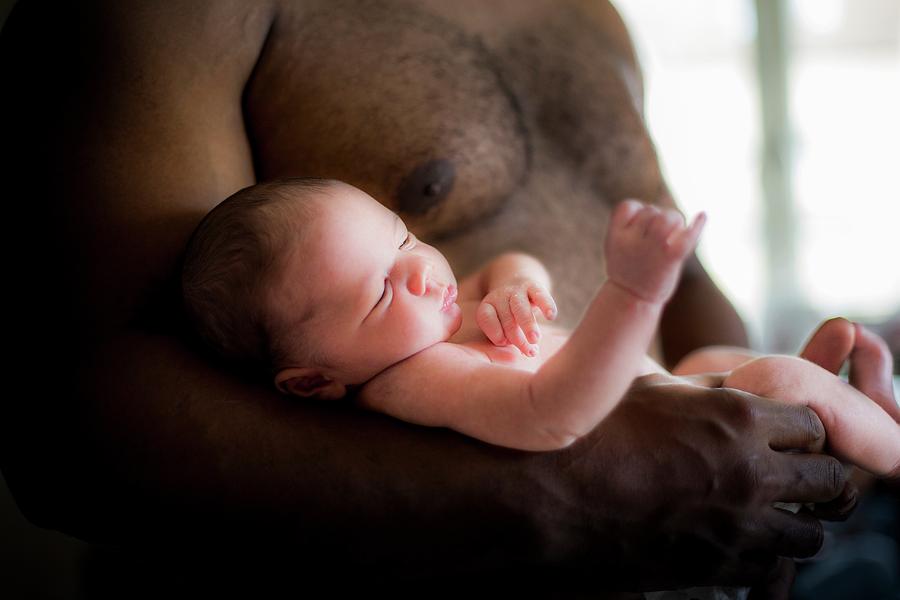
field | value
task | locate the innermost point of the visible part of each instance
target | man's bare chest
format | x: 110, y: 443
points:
x: 441, y: 115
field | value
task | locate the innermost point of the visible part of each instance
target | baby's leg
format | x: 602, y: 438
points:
x: 713, y: 359
x: 860, y: 429
x: 829, y: 347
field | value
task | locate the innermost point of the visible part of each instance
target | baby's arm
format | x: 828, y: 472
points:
x: 578, y: 386
x: 450, y: 385
x: 508, y: 287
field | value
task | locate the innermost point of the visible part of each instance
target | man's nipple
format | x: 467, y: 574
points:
x: 426, y: 186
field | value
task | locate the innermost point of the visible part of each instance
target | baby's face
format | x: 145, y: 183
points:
x: 377, y: 294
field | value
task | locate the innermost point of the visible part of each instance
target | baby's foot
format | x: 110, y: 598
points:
x: 871, y: 368
x: 831, y: 344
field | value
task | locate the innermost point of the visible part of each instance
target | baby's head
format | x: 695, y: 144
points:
x: 317, y: 283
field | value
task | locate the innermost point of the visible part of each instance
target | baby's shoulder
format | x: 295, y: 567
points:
x: 440, y: 356
x: 442, y: 361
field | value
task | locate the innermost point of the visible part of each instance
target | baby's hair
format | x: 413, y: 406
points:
x: 232, y: 258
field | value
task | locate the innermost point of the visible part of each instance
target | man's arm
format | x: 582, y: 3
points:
x: 698, y: 314
x: 130, y: 434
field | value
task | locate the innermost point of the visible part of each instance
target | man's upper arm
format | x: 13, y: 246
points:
x: 129, y: 129
x: 123, y: 128
x: 698, y: 314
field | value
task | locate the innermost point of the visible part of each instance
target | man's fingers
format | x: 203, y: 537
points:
x: 806, y: 478
x: 799, y: 535
x: 840, y: 508
x: 793, y: 427
x: 489, y: 322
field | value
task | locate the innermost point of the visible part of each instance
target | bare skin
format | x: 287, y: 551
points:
x: 129, y: 122
x: 862, y: 418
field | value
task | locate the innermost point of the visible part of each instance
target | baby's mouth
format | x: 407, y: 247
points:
x: 450, y: 294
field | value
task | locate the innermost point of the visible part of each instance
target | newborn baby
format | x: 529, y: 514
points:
x: 326, y: 289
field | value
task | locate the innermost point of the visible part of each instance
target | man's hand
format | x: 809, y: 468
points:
x: 506, y: 315
x: 676, y: 486
x: 646, y: 246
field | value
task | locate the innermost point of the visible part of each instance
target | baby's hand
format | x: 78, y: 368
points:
x: 646, y: 247
x: 506, y: 314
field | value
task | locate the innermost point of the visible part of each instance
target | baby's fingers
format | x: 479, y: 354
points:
x: 625, y: 212
x: 521, y: 330
x: 543, y: 300
x: 685, y: 239
x: 489, y: 322
x: 520, y: 307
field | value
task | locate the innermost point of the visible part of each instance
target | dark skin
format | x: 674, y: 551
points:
x: 488, y: 134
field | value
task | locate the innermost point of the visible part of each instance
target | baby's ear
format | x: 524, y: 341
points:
x: 309, y: 382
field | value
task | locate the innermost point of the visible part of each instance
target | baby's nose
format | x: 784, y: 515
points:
x: 418, y: 280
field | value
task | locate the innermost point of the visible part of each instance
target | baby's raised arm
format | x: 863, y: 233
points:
x: 645, y: 250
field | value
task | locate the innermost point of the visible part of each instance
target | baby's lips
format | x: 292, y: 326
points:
x: 449, y: 297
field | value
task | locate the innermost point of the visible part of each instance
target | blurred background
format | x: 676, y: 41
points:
x: 786, y: 134
x: 781, y: 120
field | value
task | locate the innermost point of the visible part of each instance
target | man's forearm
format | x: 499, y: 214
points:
x: 176, y: 449
x: 698, y: 315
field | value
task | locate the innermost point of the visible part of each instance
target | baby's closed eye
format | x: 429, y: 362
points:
x: 409, y: 242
